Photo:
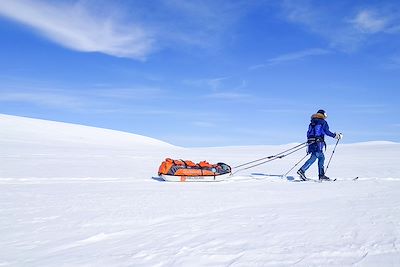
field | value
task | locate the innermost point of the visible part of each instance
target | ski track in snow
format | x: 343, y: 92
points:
x: 74, y: 201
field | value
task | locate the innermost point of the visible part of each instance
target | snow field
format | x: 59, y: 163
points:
x: 75, y: 200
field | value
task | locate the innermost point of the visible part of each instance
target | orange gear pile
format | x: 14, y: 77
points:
x: 189, y: 168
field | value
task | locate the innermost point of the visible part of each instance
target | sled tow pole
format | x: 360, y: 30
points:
x: 271, y: 158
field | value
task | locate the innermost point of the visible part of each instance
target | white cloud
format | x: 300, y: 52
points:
x: 339, y: 26
x: 369, y: 22
x: 76, y: 27
x: 318, y: 21
x: 229, y: 96
x: 132, y: 29
x: 297, y: 55
x: 213, y: 83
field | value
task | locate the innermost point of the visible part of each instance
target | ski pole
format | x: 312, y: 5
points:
x: 327, y: 166
x: 295, y: 165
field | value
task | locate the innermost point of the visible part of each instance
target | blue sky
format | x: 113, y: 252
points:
x: 205, y: 73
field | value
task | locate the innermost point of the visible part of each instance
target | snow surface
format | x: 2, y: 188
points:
x: 73, y: 195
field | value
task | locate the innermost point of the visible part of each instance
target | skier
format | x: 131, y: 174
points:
x: 315, y: 134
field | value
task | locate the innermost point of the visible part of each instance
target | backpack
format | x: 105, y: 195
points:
x: 315, y: 138
x: 315, y: 131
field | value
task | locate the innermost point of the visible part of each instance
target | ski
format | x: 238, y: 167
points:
x: 348, y: 179
x: 331, y: 180
x: 305, y: 179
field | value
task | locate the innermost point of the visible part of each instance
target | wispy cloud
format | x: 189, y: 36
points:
x: 127, y: 29
x: 76, y: 27
x: 222, y: 88
x: 379, y: 19
x: 210, y: 83
x: 347, y: 31
x: 298, y: 55
x: 42, y: 98
x: 202, y: 23
x: 292, y: 57
x: 229, y: 96
x: 90, y: 100
x: 319, y: 21
x: 369, y: 22
x: 382, y: 19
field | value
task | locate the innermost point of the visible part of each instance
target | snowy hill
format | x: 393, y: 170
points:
x: 76, y: 196
x: 35, y: 131
x: 43, y: 149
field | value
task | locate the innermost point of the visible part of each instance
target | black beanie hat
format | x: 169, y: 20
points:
x: 321, y: 111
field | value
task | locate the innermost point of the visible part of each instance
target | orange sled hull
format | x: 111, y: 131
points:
x: 199, y: 178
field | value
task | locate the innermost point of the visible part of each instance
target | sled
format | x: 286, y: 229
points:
x: 187, y: 171
x: 201, y: 178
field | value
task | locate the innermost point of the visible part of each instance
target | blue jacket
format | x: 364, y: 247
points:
x: 319, y: 119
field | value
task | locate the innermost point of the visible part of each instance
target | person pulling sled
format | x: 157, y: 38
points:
x: 317, y: 130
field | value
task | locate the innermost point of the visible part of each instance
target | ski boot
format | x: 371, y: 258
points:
x: 302, y: 175
x: 324, y: 178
